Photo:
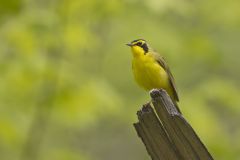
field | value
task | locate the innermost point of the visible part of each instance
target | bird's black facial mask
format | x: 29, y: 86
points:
x: 145, y: 48
x: 141, y: 43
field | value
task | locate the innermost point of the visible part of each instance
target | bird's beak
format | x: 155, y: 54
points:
x: 129, y: 44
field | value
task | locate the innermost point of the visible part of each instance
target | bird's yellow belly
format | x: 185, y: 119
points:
x: 149, y: 74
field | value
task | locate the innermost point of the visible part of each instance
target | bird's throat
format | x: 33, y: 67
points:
x: 137, y: 51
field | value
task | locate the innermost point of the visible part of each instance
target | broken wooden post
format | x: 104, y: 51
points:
x: 165, y: 132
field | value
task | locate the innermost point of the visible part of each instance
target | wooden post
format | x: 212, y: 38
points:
x: 165, y: 132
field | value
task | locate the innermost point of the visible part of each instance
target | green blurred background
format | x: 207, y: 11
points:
x: 66, y: 87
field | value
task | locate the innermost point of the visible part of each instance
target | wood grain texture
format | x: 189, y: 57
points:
x: 165, y: 132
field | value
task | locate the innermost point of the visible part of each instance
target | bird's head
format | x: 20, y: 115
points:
x: 139, y: 47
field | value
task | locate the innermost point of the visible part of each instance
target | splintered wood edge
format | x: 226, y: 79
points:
x: 153, y: 135
x: 146, y: 109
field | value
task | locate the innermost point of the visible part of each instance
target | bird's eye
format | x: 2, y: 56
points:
x: 139, y: 44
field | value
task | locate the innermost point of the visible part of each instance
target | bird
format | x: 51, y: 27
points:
x: 151, y: 71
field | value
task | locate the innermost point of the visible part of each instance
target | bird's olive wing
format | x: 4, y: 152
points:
x: 162, y: 62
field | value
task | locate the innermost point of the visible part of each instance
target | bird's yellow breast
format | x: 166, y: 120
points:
x: 148, y: 73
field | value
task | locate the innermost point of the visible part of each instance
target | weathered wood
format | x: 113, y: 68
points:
x: 152, y: 133
x: 168, y: 135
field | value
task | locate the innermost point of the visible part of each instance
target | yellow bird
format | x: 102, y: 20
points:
x: 150, y: 69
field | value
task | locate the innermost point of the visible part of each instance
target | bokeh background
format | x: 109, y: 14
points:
x: 66, y: 87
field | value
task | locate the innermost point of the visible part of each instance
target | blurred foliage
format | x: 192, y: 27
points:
x: 68, y: 59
